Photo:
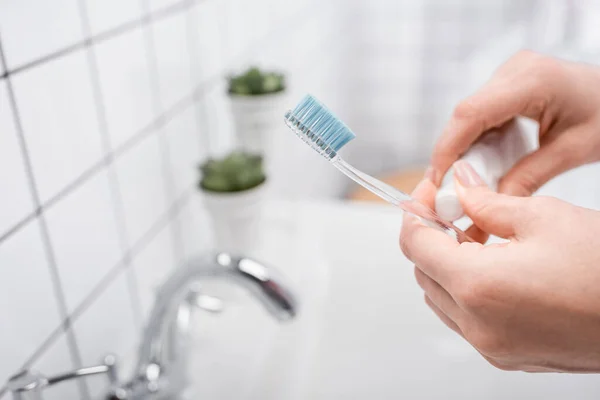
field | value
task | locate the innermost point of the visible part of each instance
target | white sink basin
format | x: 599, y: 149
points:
x: 377, y: 339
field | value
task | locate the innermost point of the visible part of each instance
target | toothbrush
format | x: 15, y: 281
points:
x: 317, y: 126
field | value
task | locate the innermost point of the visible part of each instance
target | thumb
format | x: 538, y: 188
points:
x: 494, y: 213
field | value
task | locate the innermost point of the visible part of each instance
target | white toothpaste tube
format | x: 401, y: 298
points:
x: 492, y: 156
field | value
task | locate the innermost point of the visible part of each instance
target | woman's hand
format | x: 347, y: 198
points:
x: 531, y: 304
x: 563, y: 97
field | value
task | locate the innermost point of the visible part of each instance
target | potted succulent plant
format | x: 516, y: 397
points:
x: 233, y: 188
x: 257, y: 99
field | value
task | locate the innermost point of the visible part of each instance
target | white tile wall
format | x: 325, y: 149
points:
x: 152, y: 266
x: 410, y: 63
x: 185, y: 149
x: 57, y: 112
x: 34, y: 29
x: 234, y: 29
x: 83, y: 233
x: 206, y: 32
x: 28, y: 307
x: 220, y: 126
x: 171, y: 43
x: 16, y: 199
x: 156, y: 5
x: 107, y: 327
x: 193, y: 220
x: 103, y: 16
x: 142, y: 186
x: 125, y: 85
x: 194, y: 46
x: 55, y: 359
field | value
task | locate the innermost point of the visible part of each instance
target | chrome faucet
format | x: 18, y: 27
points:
x: 161, y: 371
x: 162, y: 364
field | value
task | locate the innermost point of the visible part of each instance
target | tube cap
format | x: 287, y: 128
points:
x: 447, y: 204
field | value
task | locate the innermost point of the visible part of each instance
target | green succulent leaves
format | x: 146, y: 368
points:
x: 254, y: 82
x: 236, y: 172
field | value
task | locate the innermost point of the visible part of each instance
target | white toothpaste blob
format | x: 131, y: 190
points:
x: 491, y: 157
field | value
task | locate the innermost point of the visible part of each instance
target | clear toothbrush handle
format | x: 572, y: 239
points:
x: 400, y: 199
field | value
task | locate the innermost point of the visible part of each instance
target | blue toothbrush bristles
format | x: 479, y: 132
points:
x: 319, y: 127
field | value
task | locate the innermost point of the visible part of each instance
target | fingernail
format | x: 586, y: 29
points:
x: 466, y: 175
x: 430, y: 174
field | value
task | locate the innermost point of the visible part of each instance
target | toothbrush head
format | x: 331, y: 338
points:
x: 312, y: 122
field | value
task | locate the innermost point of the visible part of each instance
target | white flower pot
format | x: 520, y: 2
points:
x: 236, y: 219
x: 256, y: 119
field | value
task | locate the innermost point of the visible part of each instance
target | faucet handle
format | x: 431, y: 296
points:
x: 29, y: 385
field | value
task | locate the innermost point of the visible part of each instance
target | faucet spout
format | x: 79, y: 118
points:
x: 162, y: 349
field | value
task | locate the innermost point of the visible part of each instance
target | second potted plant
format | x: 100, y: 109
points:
x: 257, y: 105
x: 234, y: 190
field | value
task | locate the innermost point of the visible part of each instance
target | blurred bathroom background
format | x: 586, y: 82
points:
x: 107, y: 107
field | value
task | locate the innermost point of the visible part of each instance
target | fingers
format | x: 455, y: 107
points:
x: 491, y: 107
x: 445, y: 319
x: 438, y: 295
x: 526, y: 85
x: 433, y: 250
x: 452, y: 325
x: 493, y: 213
x: 425, y: 191
x: 500, y: 364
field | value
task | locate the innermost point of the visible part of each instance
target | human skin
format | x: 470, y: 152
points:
x: 531, y: 303
x: 563, y: 97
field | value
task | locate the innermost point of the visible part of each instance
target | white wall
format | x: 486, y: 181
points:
x: 106, y: 107
x: 406, y: 66
x: 411, y: 62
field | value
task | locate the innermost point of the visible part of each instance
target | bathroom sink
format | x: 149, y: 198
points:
x: 371, y: 336
x: 380, y: 341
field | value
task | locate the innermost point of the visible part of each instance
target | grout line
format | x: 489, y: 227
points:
x: 151, y: 128
x: 152, y: 232
x: 172, y: 212
x: 138, y: 246
x: 76, y: 357
x: 113, y: 273
x: 111, y: 33
x: 44, y: 59
x: 17, y: 227
x: 200, y: 113
x: 132, y: 281
x: 108, y: 159
x: 45, y: 234
x: 197, y: 93
x: 114, y: 188
x: 166, y: 163
x: 169, y: 216
x: 79, y: 181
